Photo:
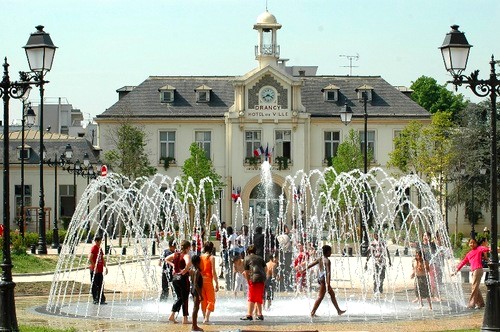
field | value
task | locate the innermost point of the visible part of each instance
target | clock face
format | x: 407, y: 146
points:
x: 267, y: 94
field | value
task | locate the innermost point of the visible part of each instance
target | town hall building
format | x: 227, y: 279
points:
x: 287, y: 114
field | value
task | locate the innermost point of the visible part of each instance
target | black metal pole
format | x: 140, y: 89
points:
x: 74, y: 187
x: 364, y: 230
x: 491, y: 319
x: 23, y: 154
x: 8, y: 319
x: 473, y: 213
x: 55, y: 230
x: 89, y: 238
x: 42, y: 243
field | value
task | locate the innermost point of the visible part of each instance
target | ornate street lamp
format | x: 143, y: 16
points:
x: 455, y: 51
x: 346, y: 117
x: 68, y: 154
x: 28, y: 119
x: 346, y: 114
x: 40, y: 52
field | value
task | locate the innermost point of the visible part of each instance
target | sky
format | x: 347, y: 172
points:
x: 107, y: 44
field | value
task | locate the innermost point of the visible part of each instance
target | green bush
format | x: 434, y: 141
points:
x: 64, y: 221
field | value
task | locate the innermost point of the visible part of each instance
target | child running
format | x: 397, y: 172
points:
x: 324, y: 276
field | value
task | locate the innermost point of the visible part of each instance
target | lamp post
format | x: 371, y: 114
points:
x: 455, y: 52
x: 346, y: 117
x: 28, y: 119
x: 40, y: 52
x: 68, y: 154
x: 40, y: 56
x: 77, y: 168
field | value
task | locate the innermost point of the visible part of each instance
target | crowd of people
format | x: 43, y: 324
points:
x: 257, y: 264
x: 253, y: 264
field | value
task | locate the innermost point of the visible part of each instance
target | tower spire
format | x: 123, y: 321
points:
x: 267, y: 52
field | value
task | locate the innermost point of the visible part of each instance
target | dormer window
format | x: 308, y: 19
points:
x: 365, y: 89
x: 167, y: 94
x: 203, y: 94
x: 23, y: 153
x: 331, y: 93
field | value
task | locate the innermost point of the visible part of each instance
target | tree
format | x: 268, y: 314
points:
x: 471, y: 143
x: 349, y: 157
x: 197, y: 169
x: 129, y: 156
x: 349, y: 154
x: 426, y: 151
x: 407, y: 146
x: 434, y: 97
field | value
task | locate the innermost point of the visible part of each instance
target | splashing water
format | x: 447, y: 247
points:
x: 319, y: 207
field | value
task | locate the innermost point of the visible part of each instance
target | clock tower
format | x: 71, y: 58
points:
x: 267, y: 52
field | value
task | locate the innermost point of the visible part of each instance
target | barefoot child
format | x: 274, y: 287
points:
x: 270, y: 280
x: 420, y: 270
x: 324, y: 276
x: 239, y: 279
x: 197, y: 284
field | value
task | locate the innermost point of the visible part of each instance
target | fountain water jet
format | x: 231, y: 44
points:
x: 333, y: 205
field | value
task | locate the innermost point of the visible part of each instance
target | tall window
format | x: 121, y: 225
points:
x: 167, y: 144
x: 252, y: 142
x: 204, y: 140
x: 67, y: 199
x: 27, y: 197
x: 332, y: 141
x: 371, y: 142
x: 283, y: 143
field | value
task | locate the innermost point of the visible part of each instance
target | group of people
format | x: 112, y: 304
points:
x: 253, y: 269
x: 190, y: 271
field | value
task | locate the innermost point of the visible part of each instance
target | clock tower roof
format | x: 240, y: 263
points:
x: 266, y: 18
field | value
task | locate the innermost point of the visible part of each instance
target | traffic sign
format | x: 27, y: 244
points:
x: 104, y: 170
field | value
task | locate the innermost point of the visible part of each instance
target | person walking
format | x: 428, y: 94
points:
x: 209, y: 275
x: 324, y: 277
x: 97, y: 265
x: 196, y: 291
x: 181, y: 262
x: 379, y: 252
x: 474, y: 259
x: 166, y: 271
x: 255, y: 273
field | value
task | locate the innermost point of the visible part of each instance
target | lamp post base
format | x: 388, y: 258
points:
x: 42, y: 249
x: 491, y: 319
x: 55, y: 238
x: 8, y: 320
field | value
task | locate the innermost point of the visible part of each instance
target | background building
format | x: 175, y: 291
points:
x: 287, y: 114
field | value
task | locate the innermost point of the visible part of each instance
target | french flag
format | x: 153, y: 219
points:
x: 268, y: 154
x: 259, y: 151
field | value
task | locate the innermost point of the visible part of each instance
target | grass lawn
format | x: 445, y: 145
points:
x: 28, y: 328
x: 25, y: 263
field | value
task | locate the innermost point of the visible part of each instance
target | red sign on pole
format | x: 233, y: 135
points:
x: 104, y: 170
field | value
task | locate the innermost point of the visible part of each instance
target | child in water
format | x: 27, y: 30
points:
x: 197, y: 284
x: 324, y: 276
x: 420, y: 271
